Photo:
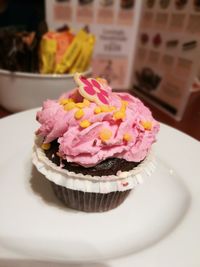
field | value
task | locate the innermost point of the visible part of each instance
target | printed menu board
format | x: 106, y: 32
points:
x: 150, y: 45
x: 115, y: 25
x: 167, y: 54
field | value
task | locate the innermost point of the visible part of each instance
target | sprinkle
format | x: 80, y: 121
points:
x: 119, y: 115
x: 86, y: 102
x: 104, y: 108
x: 85, y: 124
x: 105, y: 134
x: 147, y: 125
x: 79, y: 114
x: 97, y: 110
x: 127, y: 137
x: 123, y: 106
x: 46, y: 146
x: 124, y: 103
x: 63, y: 101
x: 112, y: 108
x: 69, y: 106
x: 80, y: 105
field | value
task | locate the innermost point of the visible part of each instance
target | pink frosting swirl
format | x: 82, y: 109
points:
x: 130, y: 138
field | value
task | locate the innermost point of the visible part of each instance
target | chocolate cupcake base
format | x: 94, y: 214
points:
x: 89, y: 202
x: 107, y: 167
x: 91, y: 193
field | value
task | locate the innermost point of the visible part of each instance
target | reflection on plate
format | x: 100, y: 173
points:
x: 34, y: 225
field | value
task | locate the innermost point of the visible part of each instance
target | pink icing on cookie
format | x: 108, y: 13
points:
x: 104, y: 135
x: 92, y: 89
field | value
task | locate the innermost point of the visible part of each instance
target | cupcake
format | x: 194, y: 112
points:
x: 94, y: 145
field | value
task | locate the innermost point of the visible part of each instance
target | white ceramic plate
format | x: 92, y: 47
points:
x: 158, y: 225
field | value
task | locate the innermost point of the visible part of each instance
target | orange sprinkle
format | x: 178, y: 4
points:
x: 127, y: 137
x: 147, y: 125
x: 80, y: 105
x: 119, y: 115
x: 86, y: 102
x: 69, y: 106
x: 79, y: 114
x: 104, y: 108
x: 63, y: 101
x: 105, y: 134
x: 46, y: 146
x: 112, y: 108
x: 85, y: 124
x: 124, y: 103
x: 97, y: 110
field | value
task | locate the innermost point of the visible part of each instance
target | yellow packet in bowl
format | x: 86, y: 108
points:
x: 71, y: 53
x: 47, y: 55
x: 52, y: 48
x: 83, y: 60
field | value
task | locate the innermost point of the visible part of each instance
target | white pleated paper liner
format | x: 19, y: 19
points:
x: 96, y: 184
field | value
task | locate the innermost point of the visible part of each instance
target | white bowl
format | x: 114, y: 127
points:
x: 21, y: 90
